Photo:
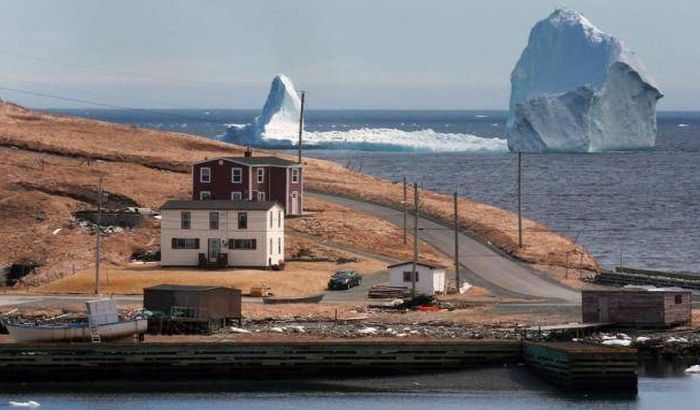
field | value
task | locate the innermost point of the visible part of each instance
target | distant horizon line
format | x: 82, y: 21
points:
x: 155, y: 109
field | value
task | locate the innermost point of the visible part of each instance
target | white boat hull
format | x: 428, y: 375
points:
x: 39, y: 333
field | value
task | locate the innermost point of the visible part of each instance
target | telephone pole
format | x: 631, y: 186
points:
x: 301, y: 122
x: 457, y: 279
x: 98, y: 231
x: 520, y: 199
x: 414, y: 272
x: 405, y: 211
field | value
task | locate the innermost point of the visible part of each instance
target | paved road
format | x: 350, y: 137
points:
x: 485, y: 266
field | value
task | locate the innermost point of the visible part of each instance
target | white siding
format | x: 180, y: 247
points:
x: 429, y: 280
x: 258, y: 229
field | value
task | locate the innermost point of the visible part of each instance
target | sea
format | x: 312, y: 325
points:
x: 636, y: 208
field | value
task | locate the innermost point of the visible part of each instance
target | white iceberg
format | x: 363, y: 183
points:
x: 694, y: 369
x: 31, y: 404
x: 578, y: 89
x: 278, y: 126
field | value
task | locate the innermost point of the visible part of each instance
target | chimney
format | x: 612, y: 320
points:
x: 248, y: 153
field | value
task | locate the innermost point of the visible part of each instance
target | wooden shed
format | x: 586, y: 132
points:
x: 197, y: 308
x: 637, y: 307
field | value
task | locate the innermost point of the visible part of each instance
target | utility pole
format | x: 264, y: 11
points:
x: 457, y: 279
x: 301, y: 123
x: 520, y: 199
x: 415, y: 240
x: 97, y: 239
x: 405, y: 211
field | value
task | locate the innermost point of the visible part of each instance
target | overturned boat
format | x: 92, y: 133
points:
x: 103, y: 324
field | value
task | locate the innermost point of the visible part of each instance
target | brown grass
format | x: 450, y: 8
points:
x: 51, y: 166
x: 299, y: 278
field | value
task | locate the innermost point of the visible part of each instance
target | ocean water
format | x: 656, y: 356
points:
x: 639, y: 207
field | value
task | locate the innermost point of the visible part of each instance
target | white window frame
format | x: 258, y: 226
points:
x: 202, y: 193
x: 295, y: 175
x: 233, y: 195
x: 261, y: 196
x: 201, y: 175
x: 260, y: 175
x: 240, y: 175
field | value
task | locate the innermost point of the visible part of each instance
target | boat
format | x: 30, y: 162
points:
x: 278, y: 300
x: 103, y: 324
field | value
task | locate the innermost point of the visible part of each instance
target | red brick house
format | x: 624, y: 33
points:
x: 250, y: 178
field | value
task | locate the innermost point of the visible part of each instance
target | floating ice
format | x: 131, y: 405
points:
x: 617, y: 342
x: 578, y: 89
x: 695, y: 369
x: 278, y: 125
x: 30, y: 404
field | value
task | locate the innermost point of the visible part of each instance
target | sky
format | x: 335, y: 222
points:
x: 366, y: 54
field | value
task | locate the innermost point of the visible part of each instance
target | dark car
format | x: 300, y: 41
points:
x: 344, y: 279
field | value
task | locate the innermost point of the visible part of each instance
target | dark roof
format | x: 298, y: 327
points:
x: 219, y: 204
x: 262, y: 161
x: 183, y: 287
x: 422, y: 263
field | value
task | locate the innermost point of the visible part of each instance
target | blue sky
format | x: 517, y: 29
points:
x: 437, y: 54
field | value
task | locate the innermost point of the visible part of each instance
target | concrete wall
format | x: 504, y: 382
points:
x: 258, y: 229
x: 429, y: 280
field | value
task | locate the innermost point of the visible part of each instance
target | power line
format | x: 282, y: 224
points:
x: 120, y: 107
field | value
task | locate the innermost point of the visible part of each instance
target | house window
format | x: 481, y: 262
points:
x: 407, y: 276
x: 279, y: 246
x: 279, y: 219
x: 205, y: 175
x: 185, y: 243
x: 271, y: 248
x: 295, y: 175
x: 185, y: 220
x: 204, y: 195
x: 236, y: 196
x: 272, y: 218
x: 242, y: 244
x: 213, y: 220
x: 678, y: 299
x: 260, y: 172
x: 243, y: 220
x: 236, y: 175
x: 261, y: 196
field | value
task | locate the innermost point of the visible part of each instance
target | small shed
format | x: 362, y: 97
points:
x: 430, y: 279
x: 211, y: 304
x: 637, y: 307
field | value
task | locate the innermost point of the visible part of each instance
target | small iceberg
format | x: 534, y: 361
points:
x: 31, y: 404
x: 695, y: 369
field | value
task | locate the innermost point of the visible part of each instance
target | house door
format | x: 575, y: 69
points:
x: 295, y: 203
x: 603, y: 315
x: 214, y: 248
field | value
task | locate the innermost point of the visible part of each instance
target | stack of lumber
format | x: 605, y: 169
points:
x: 388, y: 292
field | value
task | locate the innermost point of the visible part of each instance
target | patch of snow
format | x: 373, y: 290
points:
x: 464, y: 288
x: 238, y: 330
x: 695, y: 369
x: 617, y: 342
x: 368, y: 331
x: 297, y: 329
x: 277, y: 329
x: 56, y: 231
x: 642, y: 339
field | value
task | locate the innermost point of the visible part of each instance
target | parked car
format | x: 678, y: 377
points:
x: 344, y: 279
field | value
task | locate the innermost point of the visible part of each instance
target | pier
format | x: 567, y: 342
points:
x: 571, y: 366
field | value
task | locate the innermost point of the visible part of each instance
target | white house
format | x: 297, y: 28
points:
x: 222, y: 233
x: 430, y: 279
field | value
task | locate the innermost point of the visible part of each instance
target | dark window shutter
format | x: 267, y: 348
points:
x: 230, y: 243
x: 196, y: 243
x: 173, y: 244
x: 254, y: 244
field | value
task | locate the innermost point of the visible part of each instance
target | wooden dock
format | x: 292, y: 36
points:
x: 571, y: 366
x: 578, y: 367
x: 249, y: 360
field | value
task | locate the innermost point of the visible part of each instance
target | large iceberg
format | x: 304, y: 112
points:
x: 578, y: 89
x: 277, y: 123
x: 278, y: 126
